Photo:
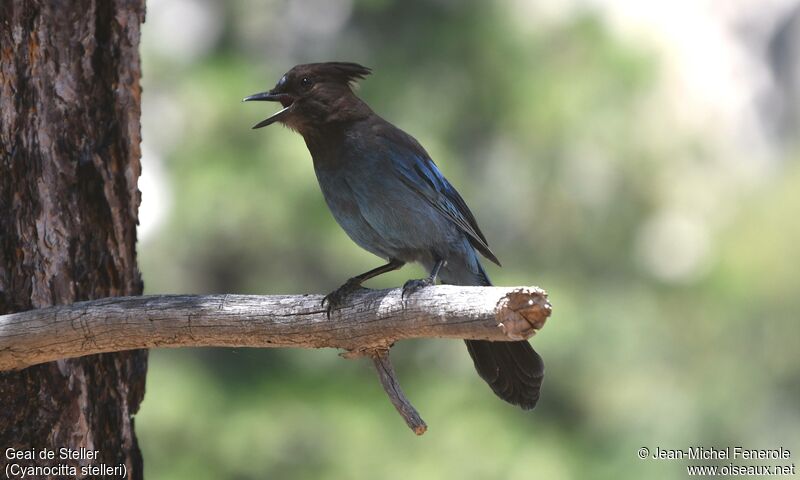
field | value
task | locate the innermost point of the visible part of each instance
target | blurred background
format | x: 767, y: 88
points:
x: 639, y: 160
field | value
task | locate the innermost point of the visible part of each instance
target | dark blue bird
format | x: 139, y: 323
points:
x: 391, y: 199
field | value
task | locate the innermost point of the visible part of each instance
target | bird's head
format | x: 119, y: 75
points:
x: 314, y: 94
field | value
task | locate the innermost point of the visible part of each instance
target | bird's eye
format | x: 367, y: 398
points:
x: 306, y: 82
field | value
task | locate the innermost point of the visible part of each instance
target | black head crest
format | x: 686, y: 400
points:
x: 350, y: 72
x: 342, y: 72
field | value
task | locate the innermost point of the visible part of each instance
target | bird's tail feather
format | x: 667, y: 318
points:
x: 513, y: 370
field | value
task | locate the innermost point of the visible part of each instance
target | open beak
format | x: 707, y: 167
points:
x: 285, y: 99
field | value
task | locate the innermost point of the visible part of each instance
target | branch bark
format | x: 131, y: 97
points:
x: 367, y: 326
x: 372, y: 319
x: 392, y: 388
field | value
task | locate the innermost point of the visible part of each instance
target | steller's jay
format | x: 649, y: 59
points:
x: 391, y: 199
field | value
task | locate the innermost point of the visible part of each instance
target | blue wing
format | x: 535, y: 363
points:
x: 418, y: 172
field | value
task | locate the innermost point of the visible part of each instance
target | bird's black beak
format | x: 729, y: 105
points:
x: 271, y: 96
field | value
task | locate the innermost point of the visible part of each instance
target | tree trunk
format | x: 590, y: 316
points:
x: 69, y: 137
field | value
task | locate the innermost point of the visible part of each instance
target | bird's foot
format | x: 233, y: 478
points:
x: 412, y: 286
x: 336, y: 298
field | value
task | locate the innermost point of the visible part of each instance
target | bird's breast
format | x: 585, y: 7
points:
x: 344, y: 206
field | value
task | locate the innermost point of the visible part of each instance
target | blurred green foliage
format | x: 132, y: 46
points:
x: 541, y: 130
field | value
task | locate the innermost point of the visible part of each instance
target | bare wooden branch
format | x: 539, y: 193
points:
x: 372, y: 319
x: 368, y: 326
x: 380, y: 358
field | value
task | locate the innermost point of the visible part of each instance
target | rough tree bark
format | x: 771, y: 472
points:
x: 69, y: 139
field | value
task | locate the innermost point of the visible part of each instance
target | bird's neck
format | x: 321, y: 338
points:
x: 326, y: 144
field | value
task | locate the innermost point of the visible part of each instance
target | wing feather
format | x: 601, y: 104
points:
x: 417, y: 171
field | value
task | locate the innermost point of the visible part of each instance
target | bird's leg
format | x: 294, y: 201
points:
x: 412, y: 286
x: 336, y: 297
